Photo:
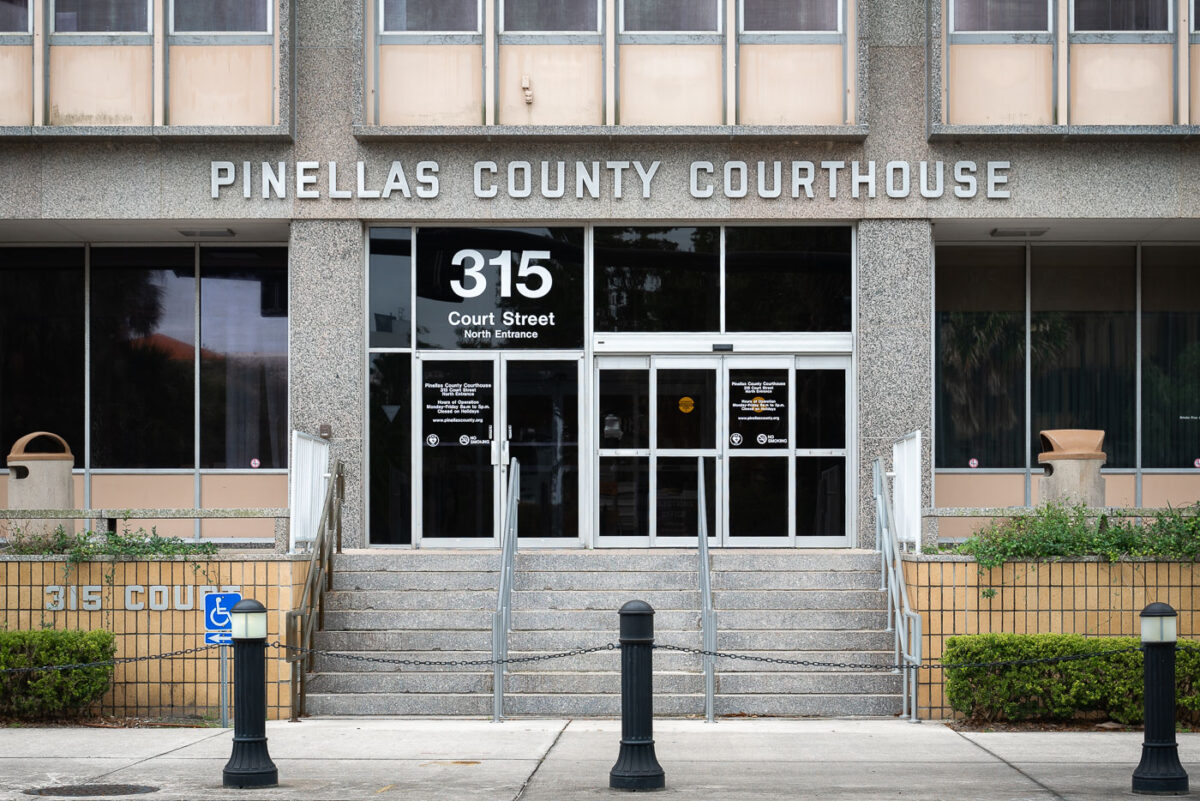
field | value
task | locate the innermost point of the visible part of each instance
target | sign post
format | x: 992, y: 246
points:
x: 218, y: 631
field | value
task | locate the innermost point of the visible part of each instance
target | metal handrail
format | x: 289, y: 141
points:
x: 309, y: 615
x: 708, y: 617
x: 901, y: 618
x: 502, y: 617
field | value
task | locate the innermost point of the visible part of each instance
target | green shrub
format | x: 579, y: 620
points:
x: 53, y: 693
x: 1111, y: 685
x: 125, y: 544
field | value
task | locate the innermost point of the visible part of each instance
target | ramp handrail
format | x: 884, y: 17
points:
x: 901, y: 618
x: 708, y: 617
x: 502, y: 617
x: 309, y: 614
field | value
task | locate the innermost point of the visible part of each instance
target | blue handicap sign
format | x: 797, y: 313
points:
x: 216, y: 613
x: 218, y: 638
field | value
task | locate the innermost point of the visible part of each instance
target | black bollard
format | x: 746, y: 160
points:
x: 249, y: 764
x: 637, y: 767
x: 1159, y: 772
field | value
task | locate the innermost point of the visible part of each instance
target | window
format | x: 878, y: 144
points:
x: 657, y: 279
x: 1170, y: 357
x: 672, y: 16
x: 14, y: 16
x: 431, y: 16
x: 797, y: 15
x: 538, y: 16
x: 101, y: 16
x: 1000, y: 15
x: 391, y: 453
x: 1121, y: 15
x: 391, y: 287
x: 220, y: 16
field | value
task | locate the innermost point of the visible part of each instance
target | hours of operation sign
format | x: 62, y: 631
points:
x: 758, y: 408
x: 457, y: 399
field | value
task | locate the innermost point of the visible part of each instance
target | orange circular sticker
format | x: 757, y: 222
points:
x: 686, y: 404
x: 758, y: 404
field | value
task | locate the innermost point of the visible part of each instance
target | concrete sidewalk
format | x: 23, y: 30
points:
x: 561, y: 760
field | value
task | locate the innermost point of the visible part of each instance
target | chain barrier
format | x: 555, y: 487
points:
x: 512, y: 660
x: 107, y: 662
x: 1189, y: 648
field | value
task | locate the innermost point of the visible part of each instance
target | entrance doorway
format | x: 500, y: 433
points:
x: 771, y: 434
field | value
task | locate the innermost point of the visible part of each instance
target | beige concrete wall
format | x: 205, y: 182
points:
x: 239, y: 491
x: 16, y: 85
x: 117, y: 491
x: 1122, y: 84
x: 1001, y: 84
x: 1171, y: 490
x: 670, y: 85
x: 800, y: 84
x: 974, y: 489
x: 101, y: 85
x: 221, y: 85
x: 566, y: 81
x: 430, y: 85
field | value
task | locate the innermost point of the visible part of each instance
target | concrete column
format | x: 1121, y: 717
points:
x: 327, y: 383
x: 894, y: 351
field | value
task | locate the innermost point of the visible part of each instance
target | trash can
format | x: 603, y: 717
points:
x: 1072, y: 458
x: 41, y: 480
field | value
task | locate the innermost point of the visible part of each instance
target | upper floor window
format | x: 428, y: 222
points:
x: 14, y: 16
x: 101, y: 16
x: 430, y: 16
x: 670, y: 16
x: 1000, y: 16
x: 1121, y: 15
x: 220, y: 16
x: 546, y: 16
x: 773, y: 16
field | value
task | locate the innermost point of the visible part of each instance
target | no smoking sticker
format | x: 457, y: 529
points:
x: 973, y: 462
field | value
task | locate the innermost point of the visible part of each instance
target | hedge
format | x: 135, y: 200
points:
x: 1058, y: 691
x: 53, y: 693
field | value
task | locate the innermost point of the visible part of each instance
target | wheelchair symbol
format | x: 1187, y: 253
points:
x: 216, y: 610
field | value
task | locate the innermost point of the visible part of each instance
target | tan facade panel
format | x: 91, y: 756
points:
x: 671, y: 85
x: 799, y: 84
x: 1001, y: 84
x: 221, y: 85
x: 16, y: 85
x: 565, y: 85
x: 430, y: 85
x: 239, y: 491
x: 101, y: 85
x: 117, y: 491
x: 1194, y: 84
x: 1170, y: 490
x: 1122, y: 84
x: 975, y: 489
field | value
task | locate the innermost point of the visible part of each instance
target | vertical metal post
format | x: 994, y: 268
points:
x: 1159, y: 772
x: 249, y: 763
x: 637, y: 767
x: 224, y: 678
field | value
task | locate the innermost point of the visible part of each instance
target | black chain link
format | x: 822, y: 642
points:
x: 1189, y: 648
x: 108, y: 662
x: 512, y: 660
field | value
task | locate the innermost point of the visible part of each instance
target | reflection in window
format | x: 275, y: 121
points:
x: 821, y: 496
x: 440, y: 16
x: 101, y: 16
x: 543, y: 419
x: 243, y: 357
x: 143, y: 357
x: 624, y: 496
x: 391, y: 287
x: 219, y: 16
x: 624, y: 410
x: 14, y: 16
x: 1121, y: 15
x: 550, y: 15
x: 682, y: 16
x: 797, y: 15
x: 41, y: 345
x: 981, y: 356
x: 390, y: 426
x: 1170, y: 356
x: 687, y: 415
x: 657, y: 279
x: 678, y: 500
x: 820, y: 409
x: 1001, y: 15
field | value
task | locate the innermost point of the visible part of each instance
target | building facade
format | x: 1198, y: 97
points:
x: 620, y: 241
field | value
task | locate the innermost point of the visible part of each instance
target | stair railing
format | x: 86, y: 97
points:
x: 502, y: 617
x: 901, y: 618
x: 708, y: 617
x: 309, y: 615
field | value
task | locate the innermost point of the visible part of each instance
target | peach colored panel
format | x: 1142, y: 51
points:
x: 221, y: 85
x: 1001, y: 84
x: 430, y: 85
x: 1194, y: 83
x: 16, y: 85
x: 670, y: 85
x: 116, y: 491
x: 239, y: 492
x: 1170, y: 490
x: 566, y: 82
x: 1120, y: 490
x: 975, y: 489
x: 791, y: 85
x: 1122, y: 84
x: 101, y: 85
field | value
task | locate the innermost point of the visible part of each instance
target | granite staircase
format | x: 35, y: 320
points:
x: 817, y: 605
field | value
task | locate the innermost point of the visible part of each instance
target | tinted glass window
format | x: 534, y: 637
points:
x: 820, y: 409
x: 790, y: 15
x: 1001, y: 15
x: 624, y: 410
x: 390, y: 421
x: 1121, y: 15
x: 431, y: 15
x: 101, y: 16
x: 143, y: 339
x: 243, y: 358
x: 624, y: 496
x: 657, y: 279
x: 670, y: 15
x: 543, y: 418
x: 787, y: 279
x: 821, y: 496
x: 233, y: 16
x: 550, y: 15
x: 14, y: 16
x: 1170, y: 356
x: 391, y: 288
x: 980, y: 356
x: 41, y: 345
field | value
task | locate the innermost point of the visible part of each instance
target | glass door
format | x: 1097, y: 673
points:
x: 758, y: 443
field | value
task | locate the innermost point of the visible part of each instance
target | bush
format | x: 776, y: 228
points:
x: 53, y: 693
x: 126, y: 544
x: 1111, y: 685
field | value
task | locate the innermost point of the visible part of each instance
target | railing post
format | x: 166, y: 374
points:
x: 341, y: 497
x: 637, y: 767
x: 1159, y: 772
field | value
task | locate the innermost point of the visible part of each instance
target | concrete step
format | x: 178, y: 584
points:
x: 617, y: 580
x: 401, y: 600
x: 404, y: 579
x: 727, y: 640
x: 669, y: 620
x: 796, y: 580
x: 409, y: 640
x: 417, y: 561
x: 451, y: 682
x: 725, y: 600
x: 409, y: 620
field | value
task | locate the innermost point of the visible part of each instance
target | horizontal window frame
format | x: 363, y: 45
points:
x: 793, y: 37
x: 664, y: 38
x: 269, y: 31
x: 72, y: 39
x: 1121, y: 37
x: 500, y: 29
x: 1049, y: 29
x: 994, y: 38
x: 15, y: 39
x: 551, y: 38
x: 624, y: 32
x: 743, y: 30
x: 430, y: 38
x: 440, y: 35
x: 221, y: 39
x: 53, y: 11
x: 1170, y: 29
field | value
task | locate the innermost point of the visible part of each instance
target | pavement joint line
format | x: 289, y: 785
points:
x: 994, y: 755
x: 134, y: 764
x: 542, y: 759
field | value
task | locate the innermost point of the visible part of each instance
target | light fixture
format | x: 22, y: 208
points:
x: 1017, y: 233
x: 1159, y: 624
x: 249, y: 620
x: 207, y: 233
